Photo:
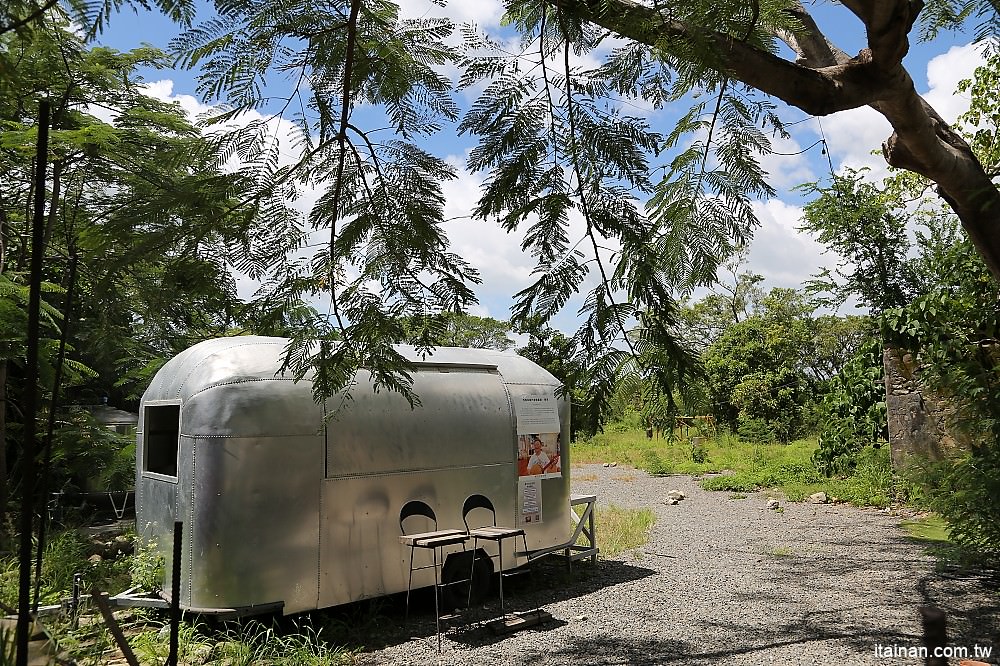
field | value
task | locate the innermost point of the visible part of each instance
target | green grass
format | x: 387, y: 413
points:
x: 932, y: 531
x: 621, y: 529
x: 748, y: 467
x: 246, y: 643
x: 65, y: 554
x: 931, y: 528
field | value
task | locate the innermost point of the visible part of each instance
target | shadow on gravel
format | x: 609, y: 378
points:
x: 381, y: 623
x: 897, y: 582
x: 831, y: 593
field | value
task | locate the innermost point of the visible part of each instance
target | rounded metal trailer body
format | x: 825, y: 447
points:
x: 284, y: 508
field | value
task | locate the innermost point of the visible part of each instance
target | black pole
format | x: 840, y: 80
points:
x: 47, y: 464
x: 175, y: 594
x: 31, y: 389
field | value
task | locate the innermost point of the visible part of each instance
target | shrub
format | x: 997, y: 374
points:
x: 755, y: 431
x: 853, y: 414
x: 654, y: 464
x: 699, y: 453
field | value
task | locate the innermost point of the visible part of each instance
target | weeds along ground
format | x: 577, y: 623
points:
x: 744, y: 467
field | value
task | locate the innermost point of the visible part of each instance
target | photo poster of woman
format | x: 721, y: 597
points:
x: 538, y: 438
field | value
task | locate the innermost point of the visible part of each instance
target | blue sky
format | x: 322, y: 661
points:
x: 785, y: 257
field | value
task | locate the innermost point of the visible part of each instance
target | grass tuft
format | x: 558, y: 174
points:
x: 619, y: 530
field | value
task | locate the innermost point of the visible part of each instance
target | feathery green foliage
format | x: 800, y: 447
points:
x: 385, y: 255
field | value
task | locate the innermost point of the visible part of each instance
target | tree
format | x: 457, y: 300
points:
x: 853, y: 411
x: 457, y: 329
x: 756, y: 370
x: 729, y: 302
x: 738, y: 42
x: 835, y: 341
x: 136, y: 213
x: 952, y: 331
x: 866, y: 226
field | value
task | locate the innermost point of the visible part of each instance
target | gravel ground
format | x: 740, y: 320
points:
x: 723, y: 581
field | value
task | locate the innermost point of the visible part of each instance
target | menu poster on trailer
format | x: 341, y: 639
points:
x: 537, y: 414
x: 531, y: 501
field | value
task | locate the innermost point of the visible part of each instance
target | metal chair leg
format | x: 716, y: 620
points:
x: 437, y: 611
x: 472, y: 571
x: 503, y: 613
x: 409, y: 583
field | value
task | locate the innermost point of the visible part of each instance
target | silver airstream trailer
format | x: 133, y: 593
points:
x: 282, y: 508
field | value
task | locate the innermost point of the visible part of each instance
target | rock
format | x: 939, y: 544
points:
x: 772, y: 503
x: 121, y: 546
x: 818, y: 498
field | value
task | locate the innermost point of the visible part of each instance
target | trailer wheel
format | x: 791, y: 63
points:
x: 455, y: 578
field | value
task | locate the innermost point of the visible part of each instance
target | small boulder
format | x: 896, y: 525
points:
x: 818, y: 498
x: 120, y: 546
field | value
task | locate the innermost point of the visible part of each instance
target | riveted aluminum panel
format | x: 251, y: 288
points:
x: 361, y: 554
x: 463, y: 419
x: 155, y: 512
x: 255, y: 525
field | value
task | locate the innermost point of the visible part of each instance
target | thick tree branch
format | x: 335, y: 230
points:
x: 810, y: 44
x: 824, y: 81
x: 20, y: 23
x: 821, y: 91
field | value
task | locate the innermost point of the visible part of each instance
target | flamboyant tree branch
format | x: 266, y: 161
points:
x: 810, y: 44
x: 825, y: 80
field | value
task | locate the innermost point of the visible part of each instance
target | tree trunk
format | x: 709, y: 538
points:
x: 4, y: 491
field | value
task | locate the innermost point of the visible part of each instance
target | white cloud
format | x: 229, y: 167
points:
x: 485, y: 13
x: 785, y: 256
x: 852, y: 136
x: 791, y: 168
x: 943, y: 74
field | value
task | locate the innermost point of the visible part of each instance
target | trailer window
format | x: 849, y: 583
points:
x: 162, y: 426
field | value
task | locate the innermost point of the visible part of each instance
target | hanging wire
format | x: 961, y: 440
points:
x: 826, y: 148
x: 810, y: 147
